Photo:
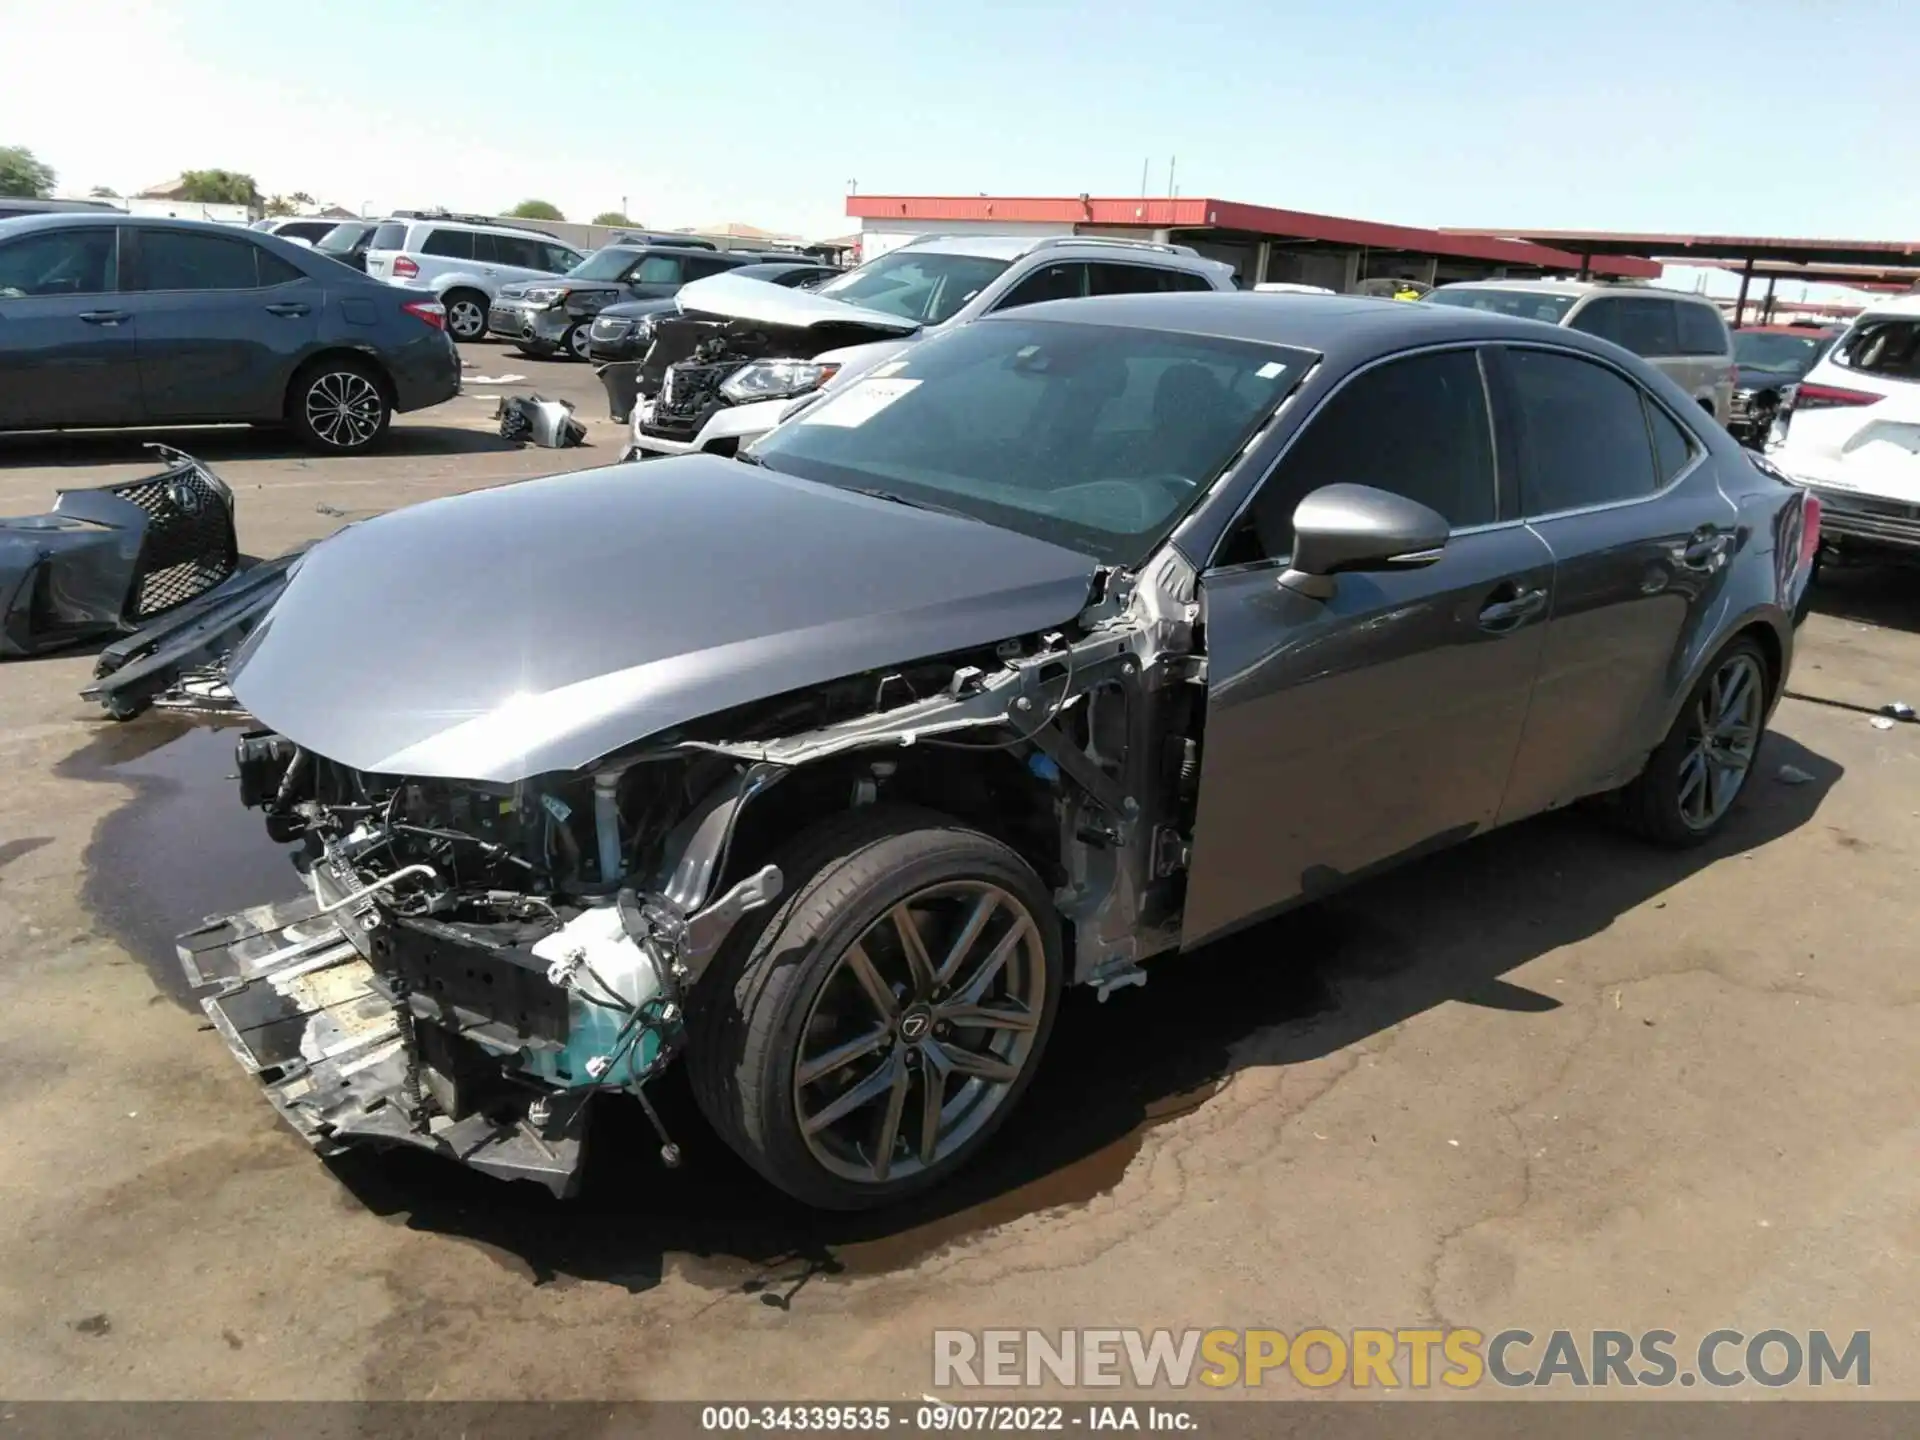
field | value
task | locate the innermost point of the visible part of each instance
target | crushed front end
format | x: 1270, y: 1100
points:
x: 473, y: 964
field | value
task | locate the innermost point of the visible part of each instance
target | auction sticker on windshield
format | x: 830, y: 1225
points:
x: 858, y: 403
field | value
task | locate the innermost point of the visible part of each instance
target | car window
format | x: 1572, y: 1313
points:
x: 190, y: 260
x: 305, y: 229
x: 517, y: 251
x: 657, y: 270
x: 1889, y: 347
x: 916, y: 285
x: 1417, y: 427
x: 392, y: 235
x: 803, y: 277
x: 341, y: 238
x: 1772, y: 352
x: 1066, y: 280
x: 558, y: 258
x: 58, y: 262
x: 698, y: 267
x: 1522, y: 304
x: 453, y: 244
x: 1673, y: 447
x: 1702, y: 331
x: 1644, y: 325
x: 1094, y: 437
x: 1582, y: 430
x: 275, y: 271
x: 1141, y: 280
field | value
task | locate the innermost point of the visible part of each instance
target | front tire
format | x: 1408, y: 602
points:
x: 1696, y: 775
x: 575, y: 343
x: 339, y: 406
x: 865, y: 1040
x: 466, y: 314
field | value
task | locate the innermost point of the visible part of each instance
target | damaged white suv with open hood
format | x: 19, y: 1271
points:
x: 1065, y: 642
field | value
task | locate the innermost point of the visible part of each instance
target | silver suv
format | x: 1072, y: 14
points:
x: 1681, y: 335
x: 464, y: 260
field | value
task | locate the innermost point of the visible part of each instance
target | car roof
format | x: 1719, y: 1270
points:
x: 1347, y: 329
x: 1900, y: 305
x: 68, y: 219
x: 1576, y: 288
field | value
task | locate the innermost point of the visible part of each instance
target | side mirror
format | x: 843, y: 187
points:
x: 1339, y: 528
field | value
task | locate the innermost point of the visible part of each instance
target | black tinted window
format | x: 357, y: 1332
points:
x: 1883, y: 347
x: 1645, y: 326
x: 1702, y: 331
x: 390, y: 236
x: 1049, y: 282
x: 189, y: 260
x: 1417, y: 427
x: 1583, y: 433
x: 63, y: 262
x: 701, y: 266
x: 518, y: 251
x: 1140, y: 280
x: 454, y: 244
x: 1673, y: 447
x: 275, y: 271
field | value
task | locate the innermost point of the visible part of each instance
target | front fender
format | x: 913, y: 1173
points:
x: 461, y: 280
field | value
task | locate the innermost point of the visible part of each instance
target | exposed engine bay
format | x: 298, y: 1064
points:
x: 476, y: 962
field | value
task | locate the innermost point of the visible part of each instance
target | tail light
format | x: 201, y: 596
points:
x: 1829, y: 397
x: 432, y: 312
x: 404, y: 267
x: 1809, y: 530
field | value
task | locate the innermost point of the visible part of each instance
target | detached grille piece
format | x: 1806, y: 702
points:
x: 189, y: 546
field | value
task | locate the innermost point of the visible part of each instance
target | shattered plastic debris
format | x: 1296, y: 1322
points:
x: 1792, y: 775
x: 549, y: 423
x: 508, y: 379
x: 1899, y: 710
x: 1881, y: 722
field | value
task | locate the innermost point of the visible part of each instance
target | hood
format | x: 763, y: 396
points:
x: 535, y: 627
x: 739, y: 298
x: 634, y: 309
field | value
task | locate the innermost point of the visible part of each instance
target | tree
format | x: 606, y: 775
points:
x: 279, y: 205
x: 218, y: 187
x: 611, y: 217
x: 103, y: 192
x: 22, y: 173
x: 536, y: 210
x: 301, y: 197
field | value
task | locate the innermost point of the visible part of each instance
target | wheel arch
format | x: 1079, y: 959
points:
x: 366, y: 358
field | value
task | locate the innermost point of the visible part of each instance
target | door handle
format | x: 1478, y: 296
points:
x: 104, y: 317
x: 1511, y: 606
x: 288, y: 308
x: 1702, y: 549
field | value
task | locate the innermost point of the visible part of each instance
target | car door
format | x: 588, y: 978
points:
x: 1060, y: 280
x: 510, y: 258
x: 656, y: 277
x: 222, y: 322
x: 1706, y: 349
x: 1345, y: 733
x: 1618, y: 490
x: 68, y: 354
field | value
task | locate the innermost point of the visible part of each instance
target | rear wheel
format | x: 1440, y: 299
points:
x: 339, y: 405
x: 466, y: 314
x: 1695, y: 776
x: 867, y: 1039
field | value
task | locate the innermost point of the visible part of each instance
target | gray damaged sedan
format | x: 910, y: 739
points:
x: 1070, y: 640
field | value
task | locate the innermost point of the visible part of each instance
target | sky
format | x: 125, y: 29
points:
x: 1776, y: 117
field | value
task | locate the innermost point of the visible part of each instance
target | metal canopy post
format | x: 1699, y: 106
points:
x: 1766, y: 306
x: 1740, y: 306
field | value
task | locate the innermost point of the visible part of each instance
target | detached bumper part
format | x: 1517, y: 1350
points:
x: 306, y: 1015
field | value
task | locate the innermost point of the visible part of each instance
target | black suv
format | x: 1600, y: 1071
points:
x: 547, y: 317
x: 110, y: 320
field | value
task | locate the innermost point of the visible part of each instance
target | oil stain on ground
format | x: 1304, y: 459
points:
x: 182, y: 848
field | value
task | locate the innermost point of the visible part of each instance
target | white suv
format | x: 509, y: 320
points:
x: 1850, y: 431
x: 464, y: 260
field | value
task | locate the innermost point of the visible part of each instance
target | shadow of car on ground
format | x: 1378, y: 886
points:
x: 1291, y: 990
x: 214, y: 443
x: 1886, y: 595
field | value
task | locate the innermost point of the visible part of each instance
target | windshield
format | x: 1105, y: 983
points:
x: 341, y: 238
x: 1522, y: 304
x: 1094, y: 437
x: 1775, y: 354
x: 915, y: 285
x: 608, y: 264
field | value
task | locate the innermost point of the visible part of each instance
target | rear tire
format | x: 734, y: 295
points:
x: 1694, y: 779
x: 339, y: 406
x: 467, y: 312
x: 787, y: 999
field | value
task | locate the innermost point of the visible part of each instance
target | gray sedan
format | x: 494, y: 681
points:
x: 112, y: 320
x: 1067, y: 641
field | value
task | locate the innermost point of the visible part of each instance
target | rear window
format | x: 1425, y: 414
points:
x: 1702, y: 331
x: 341, y: 238
x: 390, y: 236
x: 1522, y: 304
x: 1644, y: 324
x: 1888, y: 347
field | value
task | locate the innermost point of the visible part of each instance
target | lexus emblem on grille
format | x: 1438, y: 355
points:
x: 185, y: 497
